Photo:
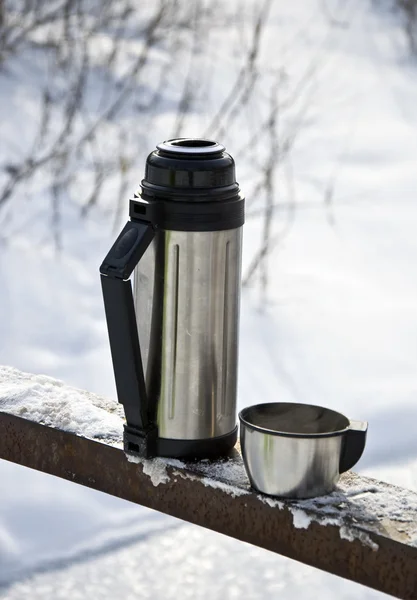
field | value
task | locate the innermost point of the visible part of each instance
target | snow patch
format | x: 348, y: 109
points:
x: 156, y: 469
x: 232, y: 490
x: 272, y: 502
x: 48, y: 401
x: 301, y: 520
x: 228, y: 488
x: 353, y: 501
x: 229, y: 471
x: 351, y: 536
x: 174, y: 462
x: 133, y: 459
x: 330, y: 521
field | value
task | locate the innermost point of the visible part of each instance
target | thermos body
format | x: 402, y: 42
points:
x: 174, y: 333
x: 187, y: 296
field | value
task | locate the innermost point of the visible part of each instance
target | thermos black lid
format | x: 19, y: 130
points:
x: 190, y: 167
x: 190, y: 185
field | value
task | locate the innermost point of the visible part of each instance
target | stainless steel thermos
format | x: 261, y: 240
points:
x: 174, y: 337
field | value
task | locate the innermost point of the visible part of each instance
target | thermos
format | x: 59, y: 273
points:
x: 174, y: 336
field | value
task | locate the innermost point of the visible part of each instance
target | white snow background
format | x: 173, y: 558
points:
x: 339, y: 327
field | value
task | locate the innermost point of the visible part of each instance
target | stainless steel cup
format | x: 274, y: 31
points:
x: 298, y: 450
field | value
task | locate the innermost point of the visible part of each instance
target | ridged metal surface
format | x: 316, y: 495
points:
x: 187, y: 294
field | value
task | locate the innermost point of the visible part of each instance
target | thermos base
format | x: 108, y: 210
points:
x: 197, y: 449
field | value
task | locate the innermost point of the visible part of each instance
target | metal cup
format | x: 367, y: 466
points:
x: 298, y: 450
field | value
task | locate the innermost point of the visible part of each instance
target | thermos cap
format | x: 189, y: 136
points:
x: 190, y: 185
x: 190, y: 167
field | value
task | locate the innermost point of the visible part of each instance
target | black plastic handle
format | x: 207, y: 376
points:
x: 353, y: 445
x: 139, y: 433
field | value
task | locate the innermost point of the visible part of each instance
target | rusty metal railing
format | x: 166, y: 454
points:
x: 339, y: 533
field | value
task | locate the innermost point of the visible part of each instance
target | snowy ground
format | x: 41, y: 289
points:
x: 339, y: 328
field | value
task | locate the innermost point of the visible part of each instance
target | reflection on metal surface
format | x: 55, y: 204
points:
x: 225, y: 363
x: 190, y: 342
x: 173, y: 327
x: 291, y: 467
x: 296, y: 450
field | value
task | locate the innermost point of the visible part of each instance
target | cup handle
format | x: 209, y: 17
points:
x: 353, y: 445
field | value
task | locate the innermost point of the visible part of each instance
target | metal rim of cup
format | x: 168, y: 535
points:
x: 266, y: 431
